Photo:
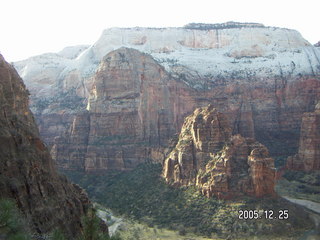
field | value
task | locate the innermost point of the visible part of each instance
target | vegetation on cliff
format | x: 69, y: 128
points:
x: 27, y: 173
x: 68, y: 100
x: 13, y: 226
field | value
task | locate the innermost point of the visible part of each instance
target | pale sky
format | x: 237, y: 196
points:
x: 32, y: 27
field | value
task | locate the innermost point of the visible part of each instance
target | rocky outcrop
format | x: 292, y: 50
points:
x: 308, y: 157
x: 27, y: 172
x: 219, y: 163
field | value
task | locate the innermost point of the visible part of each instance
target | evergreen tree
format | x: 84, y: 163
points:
x: 12, y: 225
x: 57, y: 235
x: 91, y: 229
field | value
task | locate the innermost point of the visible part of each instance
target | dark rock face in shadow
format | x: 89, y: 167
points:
x: 27, y: 172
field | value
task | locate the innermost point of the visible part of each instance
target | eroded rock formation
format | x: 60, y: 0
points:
x: 262, y: 78
x: 27, y: 172
x: 308, y: 157
x: 136, y: 106
x: 219, y: 163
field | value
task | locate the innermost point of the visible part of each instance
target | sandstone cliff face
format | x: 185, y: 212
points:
x: 133, y: 111
x: 27, y: 173
x: 136, y: 106
x: 219, y: 163
x: 308, y: 157
x: 262, y: 78
x: 70, y: 148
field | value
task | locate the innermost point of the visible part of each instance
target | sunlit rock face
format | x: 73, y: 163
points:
x: 208, y: 156
x: 132, y: 112
x: 27, y: 173
x: 308, y: 157
x: 262, y: 78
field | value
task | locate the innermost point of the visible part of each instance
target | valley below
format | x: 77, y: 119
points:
x: 144, y: 203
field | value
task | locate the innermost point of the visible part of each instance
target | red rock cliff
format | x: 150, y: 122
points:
x: 308, y: 157
x: 136, y: 106
x: 220, y: 164
x: 133, y: 110
x: 27, y: 173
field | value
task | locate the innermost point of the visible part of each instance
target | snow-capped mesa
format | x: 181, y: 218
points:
x: 198, y: 51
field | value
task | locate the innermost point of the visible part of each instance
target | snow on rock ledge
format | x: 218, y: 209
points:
x: 191, y: 54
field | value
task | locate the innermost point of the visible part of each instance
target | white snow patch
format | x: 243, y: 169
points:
x: 258, y: 52
x: 73, y: 51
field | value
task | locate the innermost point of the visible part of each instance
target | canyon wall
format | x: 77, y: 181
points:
x: 136, y: 106
x: 133, y: 110
x: 27, y: 173
x: 308, y: 156
x: 132, y: 100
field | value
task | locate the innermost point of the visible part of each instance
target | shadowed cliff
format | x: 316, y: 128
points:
x: 27, y: 172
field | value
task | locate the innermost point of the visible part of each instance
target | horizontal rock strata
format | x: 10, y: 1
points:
x: 308, y: 156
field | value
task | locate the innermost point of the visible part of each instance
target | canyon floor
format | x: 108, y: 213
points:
x: 151, y: 209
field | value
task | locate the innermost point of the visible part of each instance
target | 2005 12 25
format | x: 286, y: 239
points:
x: 270, y: 214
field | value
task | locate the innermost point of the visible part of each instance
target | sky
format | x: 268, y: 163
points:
x: 33, y: 27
